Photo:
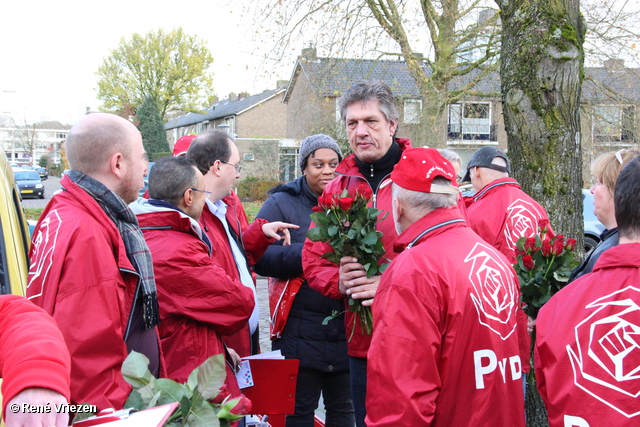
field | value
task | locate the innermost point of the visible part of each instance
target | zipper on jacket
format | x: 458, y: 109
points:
x: 158, y: 227
x: 133, y: 305
x: 430, y: 229
x: 375, y: 193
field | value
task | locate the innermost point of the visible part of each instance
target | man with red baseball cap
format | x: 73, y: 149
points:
x: 445, y: 345
x: 182, y: 145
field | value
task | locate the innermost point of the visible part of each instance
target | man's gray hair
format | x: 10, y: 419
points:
x: 372, y: 90
x: 426, y: 202
x: 170, y: 177
x: 450, y: 155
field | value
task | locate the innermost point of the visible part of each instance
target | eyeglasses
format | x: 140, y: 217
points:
x: 238, y: 167
x: 202, y: 191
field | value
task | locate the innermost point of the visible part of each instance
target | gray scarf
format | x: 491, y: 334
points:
x: 134, y: 243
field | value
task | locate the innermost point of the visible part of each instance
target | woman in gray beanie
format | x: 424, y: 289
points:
x: 300, y: 334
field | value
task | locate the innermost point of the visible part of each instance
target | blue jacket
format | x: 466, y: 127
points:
x: 317, y: 346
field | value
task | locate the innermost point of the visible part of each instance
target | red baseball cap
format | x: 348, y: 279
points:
x: 182, y: 145
x: 419, y: 166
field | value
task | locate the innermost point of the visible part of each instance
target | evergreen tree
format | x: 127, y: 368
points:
x: 151, y: 127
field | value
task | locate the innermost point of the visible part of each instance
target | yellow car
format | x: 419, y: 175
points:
x: 14, y: 238
x: 14, y: 234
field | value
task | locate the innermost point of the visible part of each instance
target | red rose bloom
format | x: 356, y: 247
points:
x: 223, y: 394
x: 571, y: 244
x: 530, y: 245
x: 317, y: 209
x: 558, y: 245
x: 364, y: 190
x: 243, y: 407
x: 543, y: 226
x: 346, y: 203
x: 546, y: 248
x: 326, y: 201
x: 528, y: 263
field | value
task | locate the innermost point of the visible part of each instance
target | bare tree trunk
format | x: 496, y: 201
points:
x: 541, y: 73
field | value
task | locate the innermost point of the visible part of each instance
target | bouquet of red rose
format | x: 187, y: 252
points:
x: 544, y: 266
x: 348, y: 225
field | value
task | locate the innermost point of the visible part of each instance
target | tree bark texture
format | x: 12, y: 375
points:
x: 441, y: 18
x: 541, y: 76
x: 541, y: 72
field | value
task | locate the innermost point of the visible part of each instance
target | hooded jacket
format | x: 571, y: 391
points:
x: 321, y: 274
x: 586, y: 355
x: 317, y: 346
x: 501, y: 213
x: 446, y: 347
x: 80, y: 274
x: 196, y: 305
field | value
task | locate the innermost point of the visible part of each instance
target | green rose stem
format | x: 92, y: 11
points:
x: 348, y: 225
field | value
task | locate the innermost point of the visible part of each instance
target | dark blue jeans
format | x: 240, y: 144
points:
x: 358, y: 368
x: 336, y: 395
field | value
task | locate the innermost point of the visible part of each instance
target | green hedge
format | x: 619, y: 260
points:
x: 156, y: 156
x: 252, y: 191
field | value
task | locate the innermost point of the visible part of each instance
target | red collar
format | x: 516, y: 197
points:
x: 430, y: 225
x: 508, y: 181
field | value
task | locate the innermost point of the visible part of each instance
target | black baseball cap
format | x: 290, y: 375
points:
x: 483, y: 158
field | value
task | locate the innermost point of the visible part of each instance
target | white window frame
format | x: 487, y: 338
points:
x: 412, y: 117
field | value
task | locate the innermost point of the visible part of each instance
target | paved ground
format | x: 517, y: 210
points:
x: 265, y: 342
x: 51, y: 185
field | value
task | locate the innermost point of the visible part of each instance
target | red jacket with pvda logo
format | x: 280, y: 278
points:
x: 80, y: 274
x: 587, y: 355
x: 445, y: 346
x: 501, y: 213
x: 197, y: 305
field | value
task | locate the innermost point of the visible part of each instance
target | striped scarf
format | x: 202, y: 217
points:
x: 134, y: 243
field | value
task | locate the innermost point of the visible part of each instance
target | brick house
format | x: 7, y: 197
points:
x: 258, y: 123
x: 609, y: 117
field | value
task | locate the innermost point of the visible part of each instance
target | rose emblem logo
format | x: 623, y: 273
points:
x: 522, y: 221
x: 42, y: 252
x: 494, y: 292
x: 606, y: 354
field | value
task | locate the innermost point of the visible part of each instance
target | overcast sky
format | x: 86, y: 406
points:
x: 51, y: 49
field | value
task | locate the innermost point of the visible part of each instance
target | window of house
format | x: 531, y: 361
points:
x: 476, y: 111
x: 471, y: 121
x: 288, y: 162
x: 61, y: 135
x: 412, y: 110
x: 614, y: 123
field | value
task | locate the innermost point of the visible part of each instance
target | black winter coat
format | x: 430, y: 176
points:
x: 317, y: 346
x: 608, y: 239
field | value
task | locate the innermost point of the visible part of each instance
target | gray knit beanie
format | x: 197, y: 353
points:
x: 311, y: 143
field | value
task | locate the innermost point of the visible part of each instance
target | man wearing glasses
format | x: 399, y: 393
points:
x: 196, y: 306
x: 218, y: 159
